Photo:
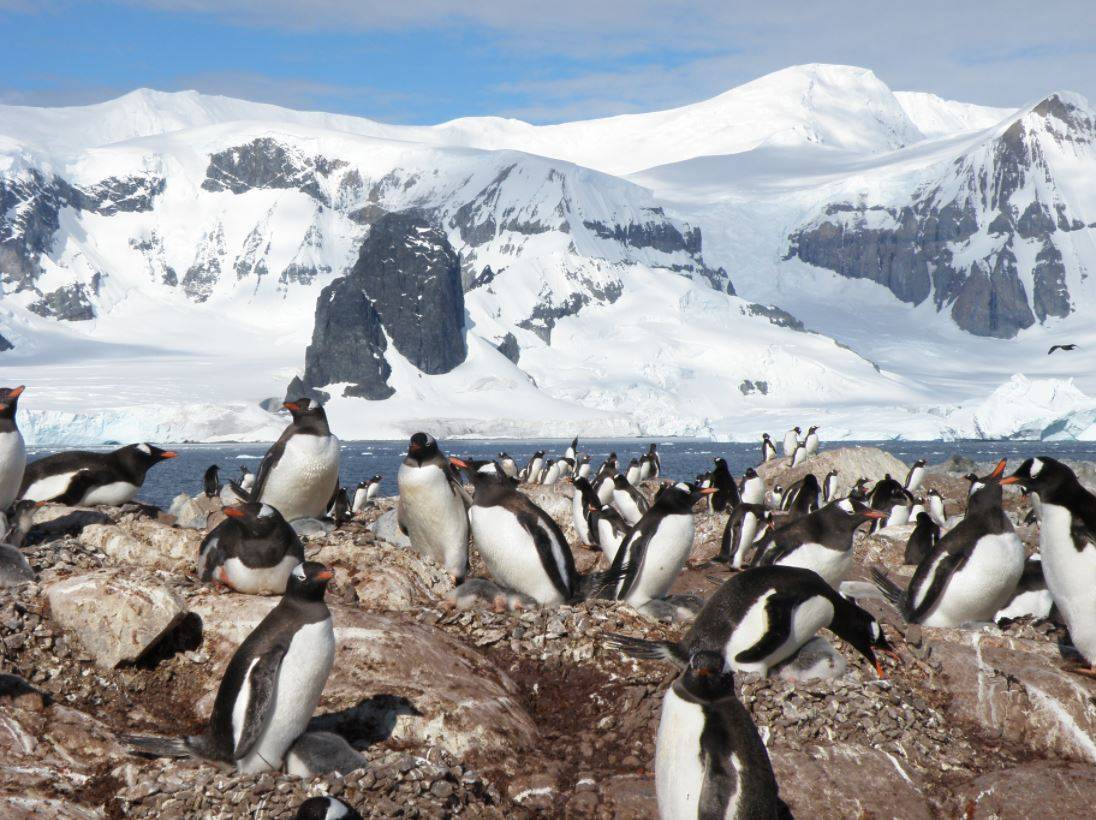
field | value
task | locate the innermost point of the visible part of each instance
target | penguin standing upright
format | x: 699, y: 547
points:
x: 747, y: 523
x: 551, y: 473
x: 300, y: 472
x: 973, y: 570
x: 583, y: 502
x: 791, y: 441
x: 339, y: 510
x: 610, y: 529
x: 762, y: 616
x: 361, y: 497
x: 13, y: 451
x: 271, y: 686
x: 628, y: 500
x: 915, y: 476
x: 829, y: 487
x: 802, y: 497
x: 247, y: 479
x: 923, y: 539
x: 80, y: 477
x: 583, y: 469
x: 211, y: 482
x: 800, y: 455
x: 768, y: 449
x: 632, y: 473
x: 508, y: 465
x: 373, y: 488
x: 645, y: 468
x: 654, y: 552
x: 710, y: 761
x: 811, y: 442
x: 655, y: 459
x: 1067, y: 547
x: 753, y: 487
x: 433, y: 505
x: 726, y: 491
x: 252, y: 551
x: 533, y: 467
x: 892, y: 498
x: 935, y: 503
x: 572, y: 449
x: 604, y: 484
x: 776, y: 497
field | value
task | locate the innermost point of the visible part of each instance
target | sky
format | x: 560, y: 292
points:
x: 426, y: 61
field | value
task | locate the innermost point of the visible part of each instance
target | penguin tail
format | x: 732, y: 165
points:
x: 157, y: 746
x: 646, y: 650
x: 599, y: 584
x: 241, y: 493
x: 890, y: 590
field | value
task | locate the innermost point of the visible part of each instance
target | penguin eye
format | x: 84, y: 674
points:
x: 266, y: 511
x: 298, y: 572
x: 1035, y: 468
x: 846, y: 505
x: 144, y: 448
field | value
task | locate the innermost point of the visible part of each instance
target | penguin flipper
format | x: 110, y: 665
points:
x: 944, y: 570
x: 778, y: 610
x: 261, y: 682
x: 210, y: 556
x: 156, y: 746
x: 81, y: 483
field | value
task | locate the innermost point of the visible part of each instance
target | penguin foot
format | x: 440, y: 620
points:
x: 1081, y: 669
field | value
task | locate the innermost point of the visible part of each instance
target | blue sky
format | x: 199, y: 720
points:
x: 424, y: 61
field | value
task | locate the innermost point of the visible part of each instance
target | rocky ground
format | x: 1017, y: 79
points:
x: 516, y: 714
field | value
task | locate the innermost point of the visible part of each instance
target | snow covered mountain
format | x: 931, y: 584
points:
x: 169, y: 261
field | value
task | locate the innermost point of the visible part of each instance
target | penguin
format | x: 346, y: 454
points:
x: 762, y: 616
x: 271, y: 686
x: 653, y: 553
x: 508, y: 465
x: 14, y: 569
x: 752, y: 490
x: 433, y: 505
x: 247, y: 479
x: 973, y: 570
x: 13, y: 450
x: 768, y: 449
x: 339, y: 509
x: 233, y: 494
x: 1067, y: 547
x: 726, y: 491
x: 566, y: 467
x: 859, y: 489
x: 811, y: 442
x: 584, y: 467
x: 211, y: 482
x: 747, y: 523
x: 915, y: 476
x: 523, y: 547
x: 821, y: 541
x: 892, y: 498
x: 300, y: 473
x: 373, y: 488
x: 923, y: 539
x: 79, y: 477
x: 604, y: 484
x: 777, y: 497
x: 326, y: 808
x: 655, y: 459
x: 361, y: 497
x: 610, y: 530
x: 710, y: 761
x: 791, y: 441
x: 829, y: 487
x: 572, y: 449
x: 551, y: 473
x: 799, y: 456
x: 319, y: 753
x: 632, y: 474
x: 917, y: 508
x: 645, y: 468
x: 628, y: 500
x: 252, y: 551
x: 532, y: 468
x: 936, y: 509
x: 975, y: 485
x: 583, y: 502
x: 802, y: 497
x: 1031, y: 599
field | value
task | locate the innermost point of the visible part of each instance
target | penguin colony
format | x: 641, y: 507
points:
x: 787, y: 552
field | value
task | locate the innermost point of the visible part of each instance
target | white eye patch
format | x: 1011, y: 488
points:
x: 845, y: 504
x: 1036, y: 467
x: 266, y: 511
x: 298, y: 572
x: 683, y: 487
x: 875, y: 631
x: 144, y: 448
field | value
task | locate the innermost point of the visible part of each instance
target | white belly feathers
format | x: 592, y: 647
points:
x: 301, y: 483
x: 434, y: 515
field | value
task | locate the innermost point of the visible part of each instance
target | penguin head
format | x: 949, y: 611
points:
x: 361, y: 485
x: 254, y: 516
x: 750, y: 473
x: 863, y: 632
x: 764, y: 436
x: 375, y: 479
x: 308, y: 581
x: 1041, y: 475
x: 243, y: 470
x: 919, y: 463
x: 858, y: 510
x: 812, y: 429
x: 924, y: 519
x: 708, y: 675
x: 325, y: 808
x: 620, y: 482
x: 422, y: 447
x: 144, y: 455
x: 306, y: 413
x: 9, y: 401
x: 797, y: 430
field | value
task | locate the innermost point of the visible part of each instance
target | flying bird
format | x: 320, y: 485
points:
x: 1061, y: 347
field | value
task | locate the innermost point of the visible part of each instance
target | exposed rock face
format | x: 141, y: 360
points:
x: 69, y: 302
x: 1001, y: 195
x: 406, y: 285
x: 266, y: 163
x: 5, y: 344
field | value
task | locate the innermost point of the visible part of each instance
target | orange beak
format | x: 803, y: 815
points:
x: 16, y: 392
x: 456, y: 462
x: 709, y: 490
x: 234, y: 512
x: 169, y: 454
x: 879, y: 669
x: 1010, y: 479
x: 873, y: 514
x: 325, y: 575
x: 291, y: 405
x: 998, y: 470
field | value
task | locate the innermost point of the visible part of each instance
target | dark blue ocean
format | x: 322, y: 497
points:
x: 681, y: 458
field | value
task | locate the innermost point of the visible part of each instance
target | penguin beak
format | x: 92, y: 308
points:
x: 168, y: 454
x: 709, y: 490
x: 1012, y: 479
x: 873, y: 514
x: 234, y: 512
x: 456, y: 462
x: 879, y: 670
x: 325, y: 575
x: 292, y: 406
x: 998, y: 470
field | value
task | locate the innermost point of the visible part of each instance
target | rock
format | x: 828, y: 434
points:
x: 144, y: 543
x: 386, y: 528
x: 851, y: 463
x: 1031, y: 790
x: 386, y: 577
x: 116, y: 616
x: 193, y: 513
x: 392, y: 678
x: 54, y: 520
x: 312, y: 527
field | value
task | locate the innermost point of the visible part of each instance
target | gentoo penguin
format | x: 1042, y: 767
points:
x: 829, y: 487
x: 811, y: 442
x: 211, y: 482
x: 319, y: 753
x: 917, y: 508
x: 768, y: 449
x: 79, y: 477
x: 975, y: 485
x: 14, y: 568
x: 892, y: 498
x: 820, y: 541
x: 433, y: 505
x: 508, y: 465
x: 935, y: 503
x: 1031, y: 599
x: 800, y: 455
x: 653, y: 553
x: 752, y: 490
x: 747, y: 523
x: 252, y: 551
x: 645, y: 468
x: 566, y: 467
x: 233, y: 494
x: 271, y: 686
x: 777, y: 497
x: 551, y: 473
x: 791, y: 441
x: 859, y: 489
x: 339, y: 511
x: 583, y: 502
x: 726, y: 491
x: 572, y: 449
x: 247, y: 479
x: 360, y: 497
x: 915, y: 476
x: 532, y: 468
x: 923, y: 539
x: 802, y: 497
x: 610, y: 530
x: 632, y: 473
x: 604, y: 484
x: 655, y: 459
x: 326, y: 808
x: 13, y: 451
x: 628, y: 500
x: 583, y: 469
x: 300, y: 473
x: 1067, y: 546
x: 761, y: 617
x: 973, y: 570
x: 523, y: 547
x: 710, y: 761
